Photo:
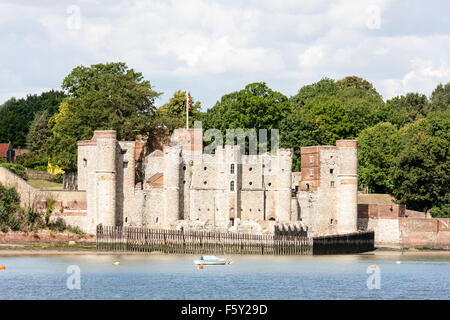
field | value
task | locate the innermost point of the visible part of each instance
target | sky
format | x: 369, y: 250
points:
x: 212, y: 48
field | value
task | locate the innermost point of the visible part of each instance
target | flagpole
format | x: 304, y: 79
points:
x: 187, y: 110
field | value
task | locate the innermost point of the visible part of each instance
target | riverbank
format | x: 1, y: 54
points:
x: 30, y: 249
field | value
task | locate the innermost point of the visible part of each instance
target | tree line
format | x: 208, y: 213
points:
x: 403, y: 142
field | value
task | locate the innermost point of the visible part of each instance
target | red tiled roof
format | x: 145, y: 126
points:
x: 4, y: 147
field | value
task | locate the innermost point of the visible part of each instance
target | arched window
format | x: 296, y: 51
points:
x: 232, y: 168
x: 232, y: 186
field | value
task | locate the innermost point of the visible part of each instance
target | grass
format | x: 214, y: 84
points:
x: 45, y: 184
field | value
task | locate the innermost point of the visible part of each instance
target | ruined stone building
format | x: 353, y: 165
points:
x: 177, y: 186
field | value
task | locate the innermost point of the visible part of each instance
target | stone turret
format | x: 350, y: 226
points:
x: 284, y: 178
x: 171, y: 184
x: 105, y: 187
x: 347, y: 186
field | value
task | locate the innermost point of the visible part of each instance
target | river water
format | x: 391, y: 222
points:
x: 249, y: 277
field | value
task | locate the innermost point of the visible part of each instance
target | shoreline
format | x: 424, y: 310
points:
x: 80, y: 249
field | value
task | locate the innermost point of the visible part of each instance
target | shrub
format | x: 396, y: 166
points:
x: 58, y: 225
x: 32, y: 160
x: 18, y: 169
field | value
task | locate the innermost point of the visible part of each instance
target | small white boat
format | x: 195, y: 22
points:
x: 210, y: 260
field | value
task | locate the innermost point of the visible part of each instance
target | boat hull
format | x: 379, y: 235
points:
x: 212, y: 262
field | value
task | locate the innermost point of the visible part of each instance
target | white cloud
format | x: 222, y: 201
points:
x: 423, y: 77
x: 214, y: 47
x: 311, y: 57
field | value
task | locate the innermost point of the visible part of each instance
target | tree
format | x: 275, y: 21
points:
x: 100, y: 97
x: 328, y: 110
x: 421, y: 175
x: 16, y: 115
x: 377, y: 147
x: 405, y: 109
x: 255, y: 107
x: 39, y: 133
x: 172, y: 114
x: 440, y: 98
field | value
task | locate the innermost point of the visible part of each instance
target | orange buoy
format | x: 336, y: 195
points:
x: 373, y: 265
x: 2, y: 267
x: 200, y: 266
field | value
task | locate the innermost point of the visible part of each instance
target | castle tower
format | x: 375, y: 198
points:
x: 347, y: 186
x: 105, y: 186
x: 171, y: 197
x: 284, y: 179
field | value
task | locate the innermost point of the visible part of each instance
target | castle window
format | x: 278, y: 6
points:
x: 232, y: 168
x: 250, y: 169
x: 250, y: 183
x: 184, y: 168
x: 311, y: 173
x: 332, y: 184
x: 270, y: 183
x: 311, y: 159
x: 205, y: 168
x: 232, y: 186
x: 126, y: 219
x: 156, y: 219
x: 205, y: 182
x: 331, y: 221
x: 125, y: 164
x: 307, y: 187
x: 331, y: 171
x: 85, y: 162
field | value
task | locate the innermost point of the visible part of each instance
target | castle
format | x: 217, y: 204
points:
x: 178, y: 186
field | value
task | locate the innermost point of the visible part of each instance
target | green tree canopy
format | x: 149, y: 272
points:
x: 377, y: 147
x: 16, y: 115
x: 405, y: 109
x: 328, y: 110
x: 172, y: 114
x: 421, y: 172
x: 255, y: 107
x: 101, y: 97
x: 440, y: 98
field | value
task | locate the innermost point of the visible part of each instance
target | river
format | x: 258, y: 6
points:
x: 248, y: 277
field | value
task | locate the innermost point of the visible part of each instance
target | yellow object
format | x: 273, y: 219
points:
x: 200, y: 266
x: 373, y: 265
x: 54, y: 169
x: 231, y: 262
x: 116, y: 263
x: 398, y: 262
x: 2, y: 267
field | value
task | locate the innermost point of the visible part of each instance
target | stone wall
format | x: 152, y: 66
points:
x: 70, y: 205
x: 395, y: 226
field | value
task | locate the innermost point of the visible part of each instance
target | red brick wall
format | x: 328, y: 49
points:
x: 377, y: 211
x: 423, y: 232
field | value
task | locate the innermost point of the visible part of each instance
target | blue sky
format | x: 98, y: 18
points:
x: 215, y: 47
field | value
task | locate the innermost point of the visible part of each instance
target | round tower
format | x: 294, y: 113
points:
x: 106, y: 144
x: 347, y: 186
x: 172, y: 157
x: 284, y: 182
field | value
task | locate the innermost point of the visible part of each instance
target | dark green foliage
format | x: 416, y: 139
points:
x: 377, y: 147
x: 32, y: 160
x: 329, y: 110
x: 405, y: 109
x: 256, y: 106
x: 421, y: 172
x: 101, y: 97
x: 16, y: 115
x: 18, y: 169
x: 172, y: 114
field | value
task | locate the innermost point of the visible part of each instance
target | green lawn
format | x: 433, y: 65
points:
x: 45, y: 184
